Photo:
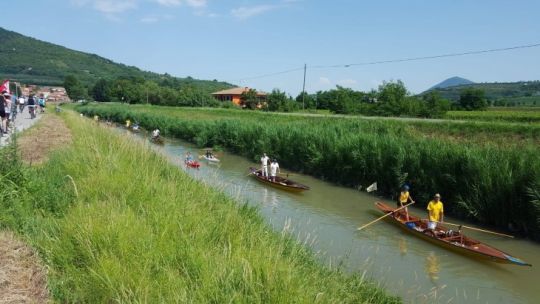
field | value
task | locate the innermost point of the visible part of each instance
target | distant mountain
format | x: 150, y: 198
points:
x: 525, y: 93
x: 33, y: 61
x: 451, y: 82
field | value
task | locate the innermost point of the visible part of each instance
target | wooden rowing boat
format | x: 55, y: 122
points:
x: 445, y: 237
x: 280, y: 182
x: 157, y: 140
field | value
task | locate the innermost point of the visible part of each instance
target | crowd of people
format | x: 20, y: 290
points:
x: 11, y: 105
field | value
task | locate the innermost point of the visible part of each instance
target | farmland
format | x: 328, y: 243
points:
x: 480, y: 167
x: 519, y: 115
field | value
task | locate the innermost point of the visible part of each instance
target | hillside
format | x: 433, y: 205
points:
x: 511, y: 93
x: 33, y: 61
x: 451, y: 82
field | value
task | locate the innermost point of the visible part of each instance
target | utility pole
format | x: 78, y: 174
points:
x: 304, y: 88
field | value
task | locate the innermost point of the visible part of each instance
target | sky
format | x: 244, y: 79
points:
x: 238, y: 40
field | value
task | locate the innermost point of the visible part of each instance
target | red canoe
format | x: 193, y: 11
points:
x: 192, y: 164
x: 445, y: 237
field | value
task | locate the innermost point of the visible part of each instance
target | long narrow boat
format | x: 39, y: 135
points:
x: 280, y: 182
x: 445, y: 237
x: 211, y: 158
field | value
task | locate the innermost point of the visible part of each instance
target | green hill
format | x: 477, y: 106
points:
x: 522, y: 93
x: 33, y: 61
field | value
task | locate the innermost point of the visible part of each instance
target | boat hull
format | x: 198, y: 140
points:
x: 458, y: 243
x: 281, y: 183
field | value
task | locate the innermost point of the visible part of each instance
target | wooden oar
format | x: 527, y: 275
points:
x: 380, y: 218
x: 478, y: 229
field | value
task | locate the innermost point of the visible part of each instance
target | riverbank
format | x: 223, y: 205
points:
x: 478, y: 168
x: 114, y: 221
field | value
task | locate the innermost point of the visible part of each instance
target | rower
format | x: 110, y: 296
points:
x: 435, y: 212
x: 155, y: 134
x: 404, y: 198
x: 274, y: 169
x: 264, y: 165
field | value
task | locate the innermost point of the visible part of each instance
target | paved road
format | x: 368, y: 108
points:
x: 22, y: 122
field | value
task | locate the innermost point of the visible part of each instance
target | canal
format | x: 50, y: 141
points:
x: 325, y: 218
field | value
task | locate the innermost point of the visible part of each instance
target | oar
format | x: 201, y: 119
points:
x: 478, y: 229
x: 380, y: 218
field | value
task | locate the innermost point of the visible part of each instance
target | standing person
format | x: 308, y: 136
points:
x: 435, y: 212
x: 264, y: 165
x: 21, y: 103
x: 155, y: 134
x: 404, y: 198
x: 32, y: 106
x: 2, y: 114
x: 274, y: 169
x: 7, y: 98
x: 14, y: 101
x: 41, y: 103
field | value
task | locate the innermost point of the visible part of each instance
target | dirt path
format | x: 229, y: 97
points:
x: 22, y: 278
x: 48, y: 135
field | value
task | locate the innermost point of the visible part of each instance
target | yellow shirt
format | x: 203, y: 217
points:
x: 404, y: 197
x: 435, y: 209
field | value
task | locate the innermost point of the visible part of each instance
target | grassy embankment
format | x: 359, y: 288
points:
x: 133, y: 228
x: 481, y: 173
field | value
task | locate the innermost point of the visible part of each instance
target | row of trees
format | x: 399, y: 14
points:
x: 138, y: 90
x: 390, y: 99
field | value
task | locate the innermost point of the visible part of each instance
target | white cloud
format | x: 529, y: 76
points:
x: 324, y: 81
x: 196, y: 3
x: 347, y: 83
x: 245, y: 12
x: 191, y: 3
x: 114, y: 6
x: 155, y: 18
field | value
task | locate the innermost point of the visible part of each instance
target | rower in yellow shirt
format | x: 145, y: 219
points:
x: 435, y: 212
x: 404, y: 198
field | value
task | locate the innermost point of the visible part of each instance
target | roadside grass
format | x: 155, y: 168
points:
x: 138, y: 229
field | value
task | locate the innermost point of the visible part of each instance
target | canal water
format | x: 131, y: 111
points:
x: 325, y: 218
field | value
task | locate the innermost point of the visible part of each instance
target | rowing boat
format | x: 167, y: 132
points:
x: 280, y: 182
x: 157, y: 140
x: 445, y: 237
x: 211, y: 158
x: 192, y: 164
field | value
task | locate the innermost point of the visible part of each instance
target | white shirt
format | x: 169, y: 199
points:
x: 264, y: 160
x: 155, y: 133
x: 273, y: 168
x: 21, y: 100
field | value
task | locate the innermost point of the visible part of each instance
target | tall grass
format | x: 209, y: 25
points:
x: 141, y: 230
x: 489, y: 183
x: 529, y: 115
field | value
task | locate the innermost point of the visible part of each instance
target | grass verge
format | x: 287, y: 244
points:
x: 140, y: 230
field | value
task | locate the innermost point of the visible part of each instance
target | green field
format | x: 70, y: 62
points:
x: 480, y: 168
x: 521, y: 115
x: 114, y: 222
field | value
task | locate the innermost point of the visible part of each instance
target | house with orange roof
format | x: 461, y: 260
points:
x: 234, y: 95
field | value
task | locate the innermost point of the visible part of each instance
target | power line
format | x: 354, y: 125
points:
x: 428, y: 57
x: 391, y: 61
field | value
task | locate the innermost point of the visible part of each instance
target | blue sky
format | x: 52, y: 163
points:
x: 234, y: 40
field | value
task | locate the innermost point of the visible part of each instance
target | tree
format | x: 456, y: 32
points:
x: 435, y: 105
x: 279, y: 101
x: 473, y: 99
x: 250, y: 99
x: 309, y: 101
x: 75, y: 89
x: 101, y: 91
